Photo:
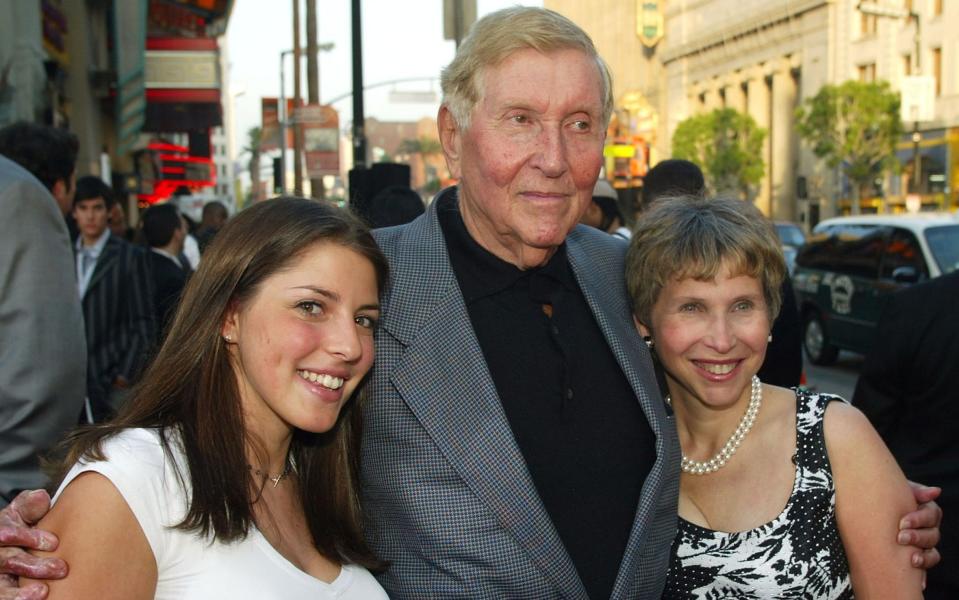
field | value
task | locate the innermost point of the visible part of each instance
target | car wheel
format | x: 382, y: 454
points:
x: 816, y: 342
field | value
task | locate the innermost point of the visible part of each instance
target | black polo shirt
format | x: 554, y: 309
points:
x: 586, y: 441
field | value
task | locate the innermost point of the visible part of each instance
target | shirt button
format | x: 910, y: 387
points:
x: 555, y: 330
x: 569, y: 394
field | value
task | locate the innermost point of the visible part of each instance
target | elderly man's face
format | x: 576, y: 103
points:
x: 532, y: 152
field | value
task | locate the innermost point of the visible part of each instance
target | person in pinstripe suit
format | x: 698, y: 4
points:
x: 116, y: 294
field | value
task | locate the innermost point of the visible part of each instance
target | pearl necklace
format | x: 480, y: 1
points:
x: 718, y: 461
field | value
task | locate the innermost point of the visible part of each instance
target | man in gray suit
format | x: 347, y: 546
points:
x: 42, y: 349
x: 516, y: 445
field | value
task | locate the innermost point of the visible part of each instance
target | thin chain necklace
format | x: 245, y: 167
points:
x: 276, y: 479
x: 694, y: 467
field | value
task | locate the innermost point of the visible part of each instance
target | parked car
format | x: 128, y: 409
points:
x: 792, y: 238
x: 849, y: 267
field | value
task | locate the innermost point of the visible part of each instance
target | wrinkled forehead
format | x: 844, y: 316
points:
x: 501, y: 71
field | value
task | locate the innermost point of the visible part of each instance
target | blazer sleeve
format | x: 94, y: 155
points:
x: 141, y: 315
x: 880, y: 390
x: 42, y: 341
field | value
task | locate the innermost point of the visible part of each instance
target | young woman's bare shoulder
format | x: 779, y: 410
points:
x: 97, y: 532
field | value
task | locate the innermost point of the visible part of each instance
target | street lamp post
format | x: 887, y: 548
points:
x: 283, y: 118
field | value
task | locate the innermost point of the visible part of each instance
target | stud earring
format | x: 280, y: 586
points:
x: 649, y: 341
x: 769, y: 339
x: 227, y: 338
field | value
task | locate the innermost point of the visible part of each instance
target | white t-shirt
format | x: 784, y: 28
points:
x: 188, y: 566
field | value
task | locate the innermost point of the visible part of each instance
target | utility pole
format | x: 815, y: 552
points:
x: 359, y: 120
x: 297, y: 130
x: 313, y: 79
x: 281, y: 118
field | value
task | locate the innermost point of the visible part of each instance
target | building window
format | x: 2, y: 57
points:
x: 867, y: 72
x: 907, y: 65
x: 867, y: 24
x: 937, y: 69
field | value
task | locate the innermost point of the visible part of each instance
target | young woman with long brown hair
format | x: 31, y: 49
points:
x: 232, y: 471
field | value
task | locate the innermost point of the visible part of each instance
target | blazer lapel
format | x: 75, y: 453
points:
x: 595, y: 266
x: 443, y: 360
x: 109, y: 255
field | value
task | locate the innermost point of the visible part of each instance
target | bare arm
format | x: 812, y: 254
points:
x: 108, y: 553
x: 872, y: 495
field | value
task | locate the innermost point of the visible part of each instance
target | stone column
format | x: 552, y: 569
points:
x: 712, y: 100
x: 782, y: 166
x: 735, y: 98
x: 692, y: 104
x: 85, y: 116
x: 758, y: 92
x: 21, y: 62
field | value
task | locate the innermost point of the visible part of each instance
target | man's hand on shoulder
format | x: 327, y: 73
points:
x: 19, y: 534
x: 921, y: 528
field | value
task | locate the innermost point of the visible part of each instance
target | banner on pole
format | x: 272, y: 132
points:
x: 321, y: 139
x: 270, y: 124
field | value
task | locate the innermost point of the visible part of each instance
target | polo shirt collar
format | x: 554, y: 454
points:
x: 481, y: 273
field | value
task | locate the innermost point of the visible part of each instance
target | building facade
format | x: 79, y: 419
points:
x: 760, y: 57
x: 138, y: 82
x: 764, y: 58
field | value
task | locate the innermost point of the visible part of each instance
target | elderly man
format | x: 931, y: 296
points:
x: 515, y: 443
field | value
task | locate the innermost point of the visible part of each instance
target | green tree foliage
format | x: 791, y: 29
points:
x: 855, y: 125
x: 727, y: 145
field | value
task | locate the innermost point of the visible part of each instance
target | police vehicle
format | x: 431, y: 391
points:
x: 848, y: 268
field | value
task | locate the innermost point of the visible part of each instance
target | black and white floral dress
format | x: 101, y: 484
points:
x: 796, y: 555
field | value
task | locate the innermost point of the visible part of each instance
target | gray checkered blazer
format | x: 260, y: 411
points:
x: 450, y: 501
